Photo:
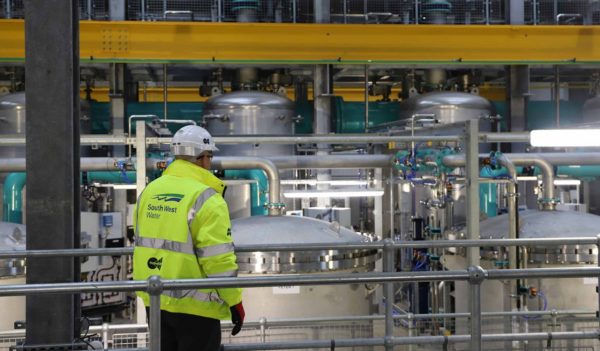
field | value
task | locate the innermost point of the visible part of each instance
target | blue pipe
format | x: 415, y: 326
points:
x: 258, y: 189
x: 12, y: 199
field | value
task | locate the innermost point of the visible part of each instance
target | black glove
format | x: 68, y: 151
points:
x: 237, y: 317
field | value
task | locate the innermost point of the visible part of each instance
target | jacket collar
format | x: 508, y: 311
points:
x: 185, y: 169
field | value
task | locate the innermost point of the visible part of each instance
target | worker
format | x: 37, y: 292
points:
x: 183, y: 231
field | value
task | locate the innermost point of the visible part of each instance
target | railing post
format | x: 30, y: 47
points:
x: 388, y: 293
x: 155, y: 288
x: 598, y: 286
x: 263, y: 329
x: 476, y: 277
x: 105, y: 335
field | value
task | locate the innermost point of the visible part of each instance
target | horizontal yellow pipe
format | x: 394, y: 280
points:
x: 285, y: 43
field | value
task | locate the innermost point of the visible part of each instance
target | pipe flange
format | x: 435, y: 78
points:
x: 155, y: 285
x: 476, y: 274
x: 551, y: 201
x: 274, y: 205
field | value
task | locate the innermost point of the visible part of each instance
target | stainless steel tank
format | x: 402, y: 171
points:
x: 448, y: 107
x: 591, y: 110
x: 12, y: 271
x: 244, y: 113
x: 558, y: 294
x: 307, y: 301
x: 12, y: 120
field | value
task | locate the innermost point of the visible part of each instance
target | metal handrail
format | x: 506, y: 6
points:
x: 474, y: 275
x: 378, y: 245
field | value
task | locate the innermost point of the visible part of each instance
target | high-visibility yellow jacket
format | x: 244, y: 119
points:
x: 183, y: 231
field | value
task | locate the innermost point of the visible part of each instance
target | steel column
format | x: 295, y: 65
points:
x: 52, y: 65
x: 140, y: 149
x: 472, y: 173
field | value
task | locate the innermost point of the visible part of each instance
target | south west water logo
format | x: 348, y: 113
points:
x: 153, y: 263
x: 168, y: 197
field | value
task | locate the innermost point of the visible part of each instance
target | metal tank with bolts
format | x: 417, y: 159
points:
x: 447, y: 107
x: 244, y: 113
x: 304, y: 301
x: 12, y: 272
x: 12, y: 120
x: 591, y: 110
x: 552, y: 294
x: 247, y: 113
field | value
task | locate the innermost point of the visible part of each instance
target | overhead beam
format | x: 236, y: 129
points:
x: 283, y: 43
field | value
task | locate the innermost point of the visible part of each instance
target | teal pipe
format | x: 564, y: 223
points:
x: 115, y: 177
x: 258, y: 189
x: 579, y: 171
x: 487, y: 195
x: 12, y: 198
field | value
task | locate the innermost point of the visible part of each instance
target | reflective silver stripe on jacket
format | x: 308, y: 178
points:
x: 200, y: 201
x: 214, y: 250
x: 228, y: 274
x: 194, y: 294
x: 163, y: 244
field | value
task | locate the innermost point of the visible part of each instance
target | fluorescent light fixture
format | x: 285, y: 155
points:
x: 316, y: 182
x: 527, y: 178
x: 565, y: 137
x: 333, y: 193
x: 567, y: 182
x: 124, y: 186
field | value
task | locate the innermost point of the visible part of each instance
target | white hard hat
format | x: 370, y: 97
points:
x: 192, y: 141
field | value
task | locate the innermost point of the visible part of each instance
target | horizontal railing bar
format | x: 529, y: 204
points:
x: 322, y: 246
x: 300, y: 279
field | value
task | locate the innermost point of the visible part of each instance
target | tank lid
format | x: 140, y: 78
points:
x: 543, y: 224
x: 261, y: 230
x: 249, y: 99
x: 535, y: 224
x: 448, y: 98
x: 12, y: 101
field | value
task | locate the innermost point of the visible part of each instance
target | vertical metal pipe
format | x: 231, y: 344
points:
x: 487, y: 11
x: 165, y: 93
x: 557, y: 94
x: 366, y: 98
x: 417, y: 12
x: 388, y: 292
x: 555, y: 9
x: 293, y: 11
x: 8, y: 9
x: 345, y: 9
x: 154, y: 289
x: 472, y: 173
x: 164, y: 7
x: 219, y: 10
x: 535, y: 19
x: 392, y: 209
x: 143, y: 9
x: 89, y: 10
x: 140, y: 165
